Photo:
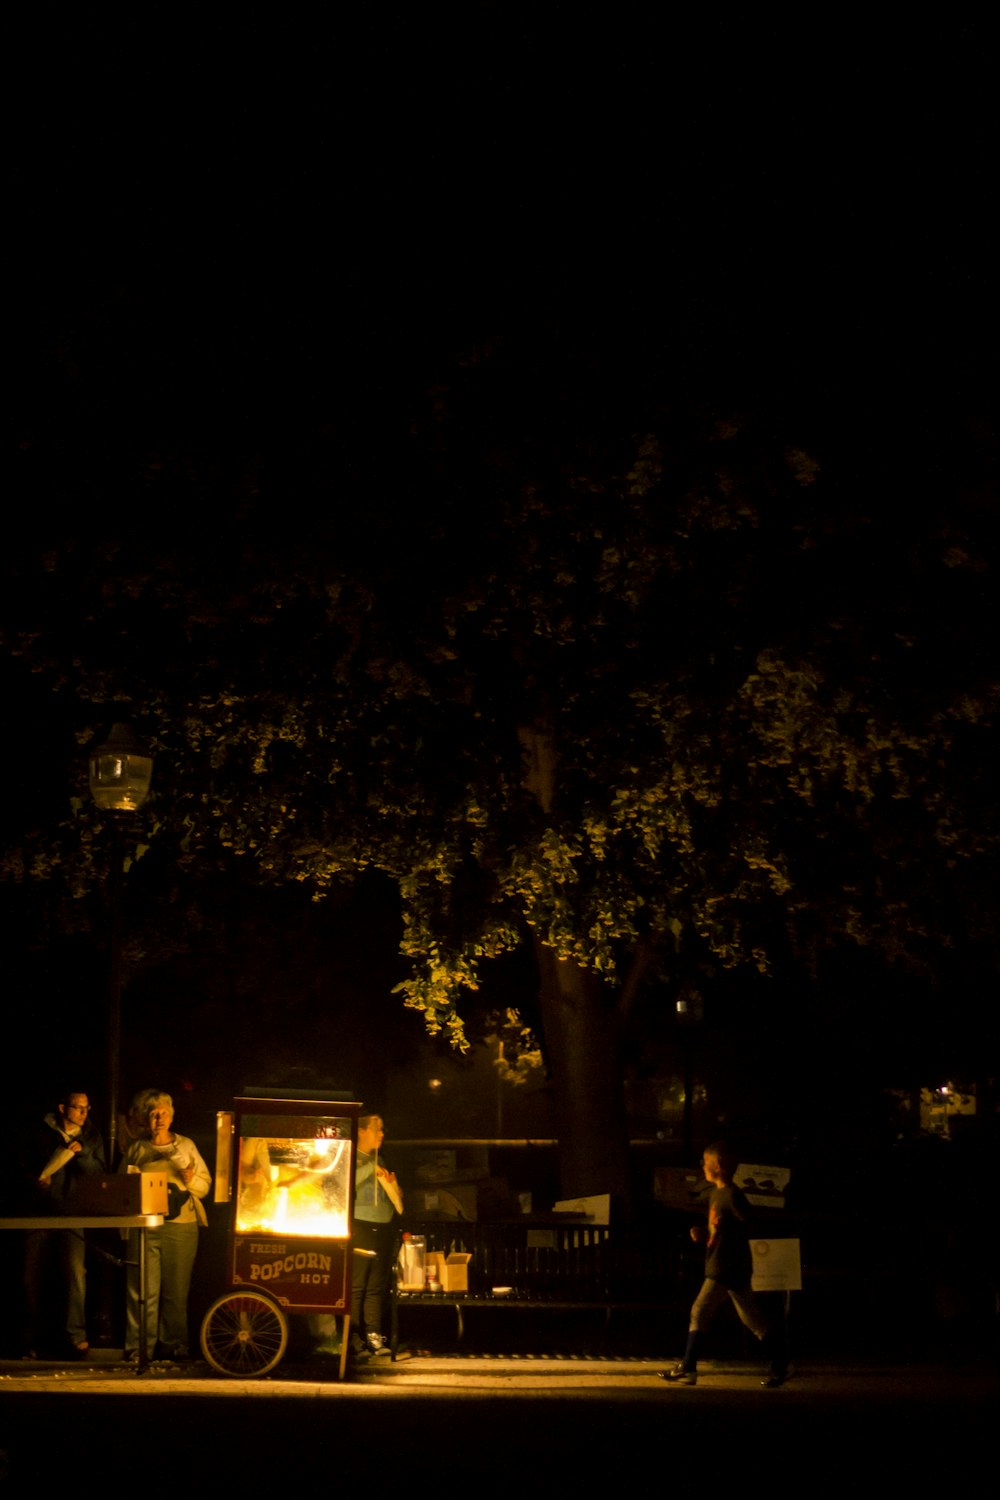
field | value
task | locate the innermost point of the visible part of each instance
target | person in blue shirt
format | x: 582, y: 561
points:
x: 377, y: 1202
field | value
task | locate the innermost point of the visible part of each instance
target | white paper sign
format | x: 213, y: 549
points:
x: 777, y: 1265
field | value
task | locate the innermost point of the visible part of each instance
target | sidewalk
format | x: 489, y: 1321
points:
x: 493, y: 1427
x: 963, y: 1382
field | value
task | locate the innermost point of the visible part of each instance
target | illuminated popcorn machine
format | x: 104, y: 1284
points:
x: 285, y: 1165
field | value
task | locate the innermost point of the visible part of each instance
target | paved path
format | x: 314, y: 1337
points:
x: 511, y: 1427
x: 473, y: 1375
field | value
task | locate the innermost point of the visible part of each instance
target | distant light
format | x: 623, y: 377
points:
x: 120, y: 771
x: 434, y: 1084
x: 682, y: 1007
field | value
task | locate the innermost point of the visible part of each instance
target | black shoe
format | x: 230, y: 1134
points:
x: 678, y: 1372
x: 776, y: 1378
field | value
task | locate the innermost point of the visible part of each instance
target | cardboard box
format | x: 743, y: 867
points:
x: 764, y: 1186
x: 451, y: 1270
x: 461, y: 1200
x: 456, y: 1272
x: 464, y: 1164
x: 122, y: 1194
x: 595, y: 1209
x: 681, y: 1187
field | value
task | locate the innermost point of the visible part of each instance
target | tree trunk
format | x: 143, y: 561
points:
x: 581, y: 1026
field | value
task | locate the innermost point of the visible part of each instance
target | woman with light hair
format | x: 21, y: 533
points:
x: 171, y: 1249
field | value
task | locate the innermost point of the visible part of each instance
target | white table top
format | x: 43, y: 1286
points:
x: 88, y: 1221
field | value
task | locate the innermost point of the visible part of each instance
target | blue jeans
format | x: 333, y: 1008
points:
x: 170, y: 1253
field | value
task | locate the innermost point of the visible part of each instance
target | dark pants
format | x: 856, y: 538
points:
x: 707, y: 1304
x: 370, y: 1277
x: 54, y: 1267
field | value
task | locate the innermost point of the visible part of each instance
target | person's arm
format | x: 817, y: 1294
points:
x: 739, y: 1205
x: 61, y: 1157
x: 90, y: 1160
x: 387, y: 1182
x: 195, y: 1176
x: 699, y: 1231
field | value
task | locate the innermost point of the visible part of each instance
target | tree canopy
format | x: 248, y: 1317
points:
x: 658, y: 685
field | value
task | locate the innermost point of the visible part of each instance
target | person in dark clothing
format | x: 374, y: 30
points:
x: 63, y: 1149
x: 377, y: 1203
x: 728, y: 1272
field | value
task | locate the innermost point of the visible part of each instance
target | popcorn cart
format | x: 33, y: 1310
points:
x: 285, y: 1164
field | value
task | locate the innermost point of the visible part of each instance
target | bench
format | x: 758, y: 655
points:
x: 552, y: 1267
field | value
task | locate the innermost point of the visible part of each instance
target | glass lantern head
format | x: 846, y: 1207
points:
x: 120, y: 771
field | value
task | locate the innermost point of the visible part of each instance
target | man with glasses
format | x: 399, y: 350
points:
x: 66, y: 1148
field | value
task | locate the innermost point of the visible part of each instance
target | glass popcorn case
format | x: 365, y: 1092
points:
x: 285, y: 1166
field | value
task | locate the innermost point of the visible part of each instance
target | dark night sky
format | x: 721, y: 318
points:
x: 251, y: 237
x: 330, y: 212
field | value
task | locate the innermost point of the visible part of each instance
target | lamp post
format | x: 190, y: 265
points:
x: 120, y: 772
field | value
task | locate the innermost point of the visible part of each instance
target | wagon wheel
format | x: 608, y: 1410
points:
x: 244, y: 1333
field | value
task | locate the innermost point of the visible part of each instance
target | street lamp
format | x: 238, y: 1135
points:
x: 120, y: 772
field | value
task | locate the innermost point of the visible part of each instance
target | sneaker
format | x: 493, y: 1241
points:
x: 377, y: 1344
x: 776, y: 1378
x: 678, y: 1373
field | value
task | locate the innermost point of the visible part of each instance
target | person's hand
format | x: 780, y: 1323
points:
x: 75, y: 1147
x: 186, y: 1174
x: 45, y: 1182
x: 698, y: 1233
